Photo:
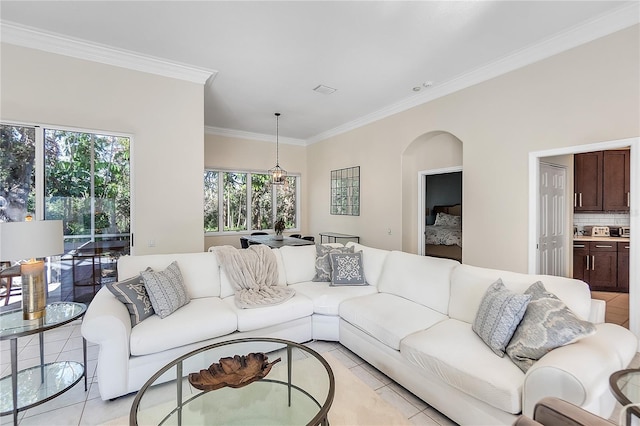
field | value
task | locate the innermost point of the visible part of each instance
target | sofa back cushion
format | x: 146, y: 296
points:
x: 422, y: 279
x: 300, y: 262
x: 200, y: 271
x: 469, y: 283
x: 372, y: 261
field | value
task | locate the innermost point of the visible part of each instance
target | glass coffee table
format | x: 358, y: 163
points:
x: 298, y: 390
x: 625, y: 385
x: 33, y: 386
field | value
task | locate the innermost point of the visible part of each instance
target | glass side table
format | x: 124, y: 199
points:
x: 33, y: 386
x: 625, y: 385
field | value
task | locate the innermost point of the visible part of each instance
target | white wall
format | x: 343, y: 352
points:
x: 588, y: 94
x: 163, y: 115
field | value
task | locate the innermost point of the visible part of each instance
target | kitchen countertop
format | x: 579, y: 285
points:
x: 590, y: 238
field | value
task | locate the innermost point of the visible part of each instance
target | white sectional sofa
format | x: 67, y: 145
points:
x: 412, y: 322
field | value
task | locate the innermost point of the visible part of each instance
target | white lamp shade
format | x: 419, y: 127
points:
x: 26, y: 240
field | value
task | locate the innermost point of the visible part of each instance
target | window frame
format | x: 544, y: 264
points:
x: 39, y: 166
x: 274, y: 206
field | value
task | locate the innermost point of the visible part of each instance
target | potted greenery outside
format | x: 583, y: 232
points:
x: 279, y: 228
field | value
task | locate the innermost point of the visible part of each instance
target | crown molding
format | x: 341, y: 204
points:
x: 619, y: 19
x: 25, y: 36
x: 219, y: 131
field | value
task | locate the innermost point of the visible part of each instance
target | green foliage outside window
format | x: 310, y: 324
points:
x: 235, y: 188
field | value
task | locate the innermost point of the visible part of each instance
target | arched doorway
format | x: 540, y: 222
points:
x: 429, y: 151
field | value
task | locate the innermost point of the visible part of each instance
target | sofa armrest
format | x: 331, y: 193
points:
x: 107, y: 323
x: 553, y: 412
x: 598, y: 311
x: 569, y: 372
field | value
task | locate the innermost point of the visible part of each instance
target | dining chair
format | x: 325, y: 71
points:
x: 244, y: 243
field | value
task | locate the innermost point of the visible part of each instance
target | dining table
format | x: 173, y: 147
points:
x: 271, y: 241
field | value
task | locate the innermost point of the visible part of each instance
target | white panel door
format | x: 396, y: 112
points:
x: 551, y: 250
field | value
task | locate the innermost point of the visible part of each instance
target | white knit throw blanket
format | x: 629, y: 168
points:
x: 253, y: 273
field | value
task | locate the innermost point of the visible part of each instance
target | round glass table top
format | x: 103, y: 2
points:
x: 625, y: 385
x: 298, y: 390
x: 12, y: 324
x: 39, y: 384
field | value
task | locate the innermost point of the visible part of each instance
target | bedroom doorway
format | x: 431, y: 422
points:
x: 440, y: 191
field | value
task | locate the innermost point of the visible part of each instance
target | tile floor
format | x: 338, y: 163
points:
x: 77, y: 407
x: 617, y: 306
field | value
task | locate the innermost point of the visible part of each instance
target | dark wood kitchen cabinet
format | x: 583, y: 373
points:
x: 602, y: 181
x: 587, y: 181
x: 623, y: 267
x: 616, y: 189
x: 596, y: 263
x: 580, y: 255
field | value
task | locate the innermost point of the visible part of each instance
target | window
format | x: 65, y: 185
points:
x: 81, y: 178
x: 17, y: 172
x: 238, y: 201
x: 86, y: 184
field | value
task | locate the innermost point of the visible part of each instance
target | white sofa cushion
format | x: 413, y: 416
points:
x: 199, y: 270
x: 298, y: 306
x: 372, y: 261
x: 469, y: 283
x: 326, y: 299
x: 454, y: 353
x: 388, y: 318
x: 423, y: 279
x: 299, y: 263
x: 201, y: 319
x: 282, y: 276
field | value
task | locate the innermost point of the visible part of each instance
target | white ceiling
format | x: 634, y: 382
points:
x: 267, y: 56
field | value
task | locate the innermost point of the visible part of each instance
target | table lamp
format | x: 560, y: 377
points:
x: 31, y: 240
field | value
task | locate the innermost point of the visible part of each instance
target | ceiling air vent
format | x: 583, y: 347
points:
x: 325, y: 90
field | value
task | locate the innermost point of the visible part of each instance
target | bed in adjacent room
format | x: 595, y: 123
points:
x: 444, y: 237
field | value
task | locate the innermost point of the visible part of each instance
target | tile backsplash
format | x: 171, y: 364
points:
x: 602, y: 219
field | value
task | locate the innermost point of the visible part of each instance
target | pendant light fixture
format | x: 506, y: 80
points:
x: 278, y: 174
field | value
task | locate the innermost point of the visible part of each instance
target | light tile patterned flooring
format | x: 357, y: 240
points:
x: 77, y: 407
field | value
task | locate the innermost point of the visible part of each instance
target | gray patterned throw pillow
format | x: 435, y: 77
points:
x: 166, y: 290
x: 346, y: 269
x: 132, y: 293
x: 547, y: 324
x: 323, y: 263
x: 498, y: 316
